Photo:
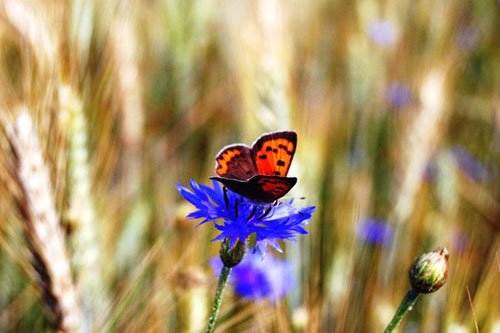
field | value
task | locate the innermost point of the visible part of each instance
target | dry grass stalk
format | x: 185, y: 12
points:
x: 259, y: 52
x: 124, y: 53
x: 82, y: 211
x: 418, y: 146
x: 26, y: 18
x: 43, y: 231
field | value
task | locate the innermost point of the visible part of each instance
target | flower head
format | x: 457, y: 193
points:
x: 429, y: 272
x: 375, y: 232
x: 382, y: 32
x: 239, y: 217
x: 468, y: 37
x: 398, y: 95
x: 470, y: 165
x: 258, y: 277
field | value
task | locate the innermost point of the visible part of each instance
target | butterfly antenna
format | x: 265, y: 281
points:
x: 288, y: 198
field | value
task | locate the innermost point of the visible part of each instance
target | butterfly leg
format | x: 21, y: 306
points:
x: 236, y: 204
x: 226, y: 201
x: 266, y: 211
x: 226, y: 198
x: 252, y: 213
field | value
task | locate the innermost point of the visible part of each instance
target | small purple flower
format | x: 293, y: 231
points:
x: 258, y: 277
x: 431, y: 171
x: 398, y: 95
x: 375, y: 232
x: 468, y: 37
x: 470, y: 165
x: 460, y: 242
x: 241, y: 217
x: 382, y: 32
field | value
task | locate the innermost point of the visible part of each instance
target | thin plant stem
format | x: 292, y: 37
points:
x: 405, y: 306
x: 224, y: 275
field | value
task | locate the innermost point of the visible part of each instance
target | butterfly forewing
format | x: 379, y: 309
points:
x: 235, y: 161
x: 274, y: 153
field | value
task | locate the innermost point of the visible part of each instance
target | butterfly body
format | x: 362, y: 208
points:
x: 258, y: 172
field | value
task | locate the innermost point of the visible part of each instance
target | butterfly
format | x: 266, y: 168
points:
x: 258, y: 172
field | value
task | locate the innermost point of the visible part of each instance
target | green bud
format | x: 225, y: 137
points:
x: 232, y: 256
x: 428, y: 272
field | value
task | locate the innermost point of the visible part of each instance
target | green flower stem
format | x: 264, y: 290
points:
x: 405, y: 306
x: 224, y: 275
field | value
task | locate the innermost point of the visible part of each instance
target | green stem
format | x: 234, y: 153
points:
x: 224, y: 275
x: 405, y: 306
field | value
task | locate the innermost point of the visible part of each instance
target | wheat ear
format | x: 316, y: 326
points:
x: 42, y: 229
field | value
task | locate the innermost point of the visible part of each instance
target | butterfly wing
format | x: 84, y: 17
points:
x: 258, y: 173
x: 260, y: 187
x: 272, y: 188
x: 274, y: 153
x: 235, y: 162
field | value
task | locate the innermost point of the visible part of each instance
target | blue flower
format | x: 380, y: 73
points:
x: 460, y: 242
x: 382, y: 32
x: 431, y: 171
x: 398, y: 95
x: 470, y: 165
x: 258, y: 278
x: 375, y: 232
x: 468, y: 37
x: 239, y: 217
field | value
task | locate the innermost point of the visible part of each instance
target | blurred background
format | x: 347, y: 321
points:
x: 107, y: 105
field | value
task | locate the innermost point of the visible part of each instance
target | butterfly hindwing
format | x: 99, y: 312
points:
x: 235, y: 161
x: 273, y: 187
x: 260, y: 187
x: 274, y: 153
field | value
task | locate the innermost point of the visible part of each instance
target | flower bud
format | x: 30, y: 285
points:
x: 428, y: 272
x: 232, y: 256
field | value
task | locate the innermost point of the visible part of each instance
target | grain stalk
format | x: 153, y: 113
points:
x: 260, y: 52
x: 43, y: 232
x: 81, y: 210
x: 417, y: 147
x: 124, y: 53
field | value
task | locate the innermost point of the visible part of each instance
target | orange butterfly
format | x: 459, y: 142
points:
x: 258, y: 172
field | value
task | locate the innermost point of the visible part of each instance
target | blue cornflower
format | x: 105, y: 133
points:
x: 431, y: 170
x: 459, y: 242
x: 468, y: 37
x: 470, y: 165
x: 463, y: 160
x: 239, y: 217
x: 382, y: 32
x: 375, y: 231
x: 398, y: 95
x: 258, y: 277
